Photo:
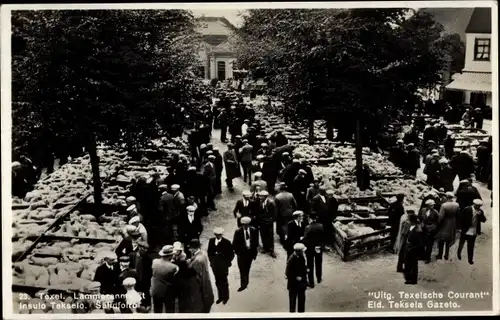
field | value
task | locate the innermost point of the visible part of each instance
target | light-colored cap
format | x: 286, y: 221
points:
x: 299, y: 247
x: 16, y: 164
x: 285, y: 153
x: 131, y: 199
x: 166, y: 251
x: 175, y: 187
x: 330, y: 191
x: 190, y: 208
x: 177, y: 245
x: 133, y: 220
x: 434, y: 151
x: 129, y: 228
x: 464, y: 181
x: 257, y: 174
x: 246, y: 220
x: 430, y: 202
x: 400, y: 141
x: 296, y: 161
x: 129, y: 282
x: 263, y: 144
x: 219, y: 231
x: 246, y: 193
x: 443, y: 161
x: 260, y: 157
x: 302, y: 171
x: 450, y: 194
x: 477, y: 202
x: 192, y: 168
x: 298, y: 213
x: 131, y: 208
x: 263, y: 193
x: 163, y: 187
x: 211, y: 157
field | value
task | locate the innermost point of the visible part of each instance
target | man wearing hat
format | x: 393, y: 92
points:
x: 325, y: 207
x: 299, y: 189
x: 190, y: 226
x: 430, y: 220
x: 223, y: 119
x: 432, y: 168
x: 313, y: 190
x: 446, y: 175
x: 266, y: 216
x: 396, y: 155
x: 246, y: 156
x: 244, y: 127
x: 243, y: 207
x: 463, y: 165
x: 258, y: 165
x: 296, y: 274
x: 285, y: 206
x: 162, y: 281
x: 477, y: 118
x: 219, y: 166
x: 395, y: 212
x: 314, y: 239
x: 258, y: 183
x: 232, y: 166
x: 220, y: 253
x: 470, y: 219
x: 125, y: 270
x: 202, y: 298
x: 210, y: 176
x: 413, y: 159
x: 245, y: 244
x: 107, y: 274
x: 483, y: 156
x: 414, y: 248
x: 445, y: 236
x: 466, y: 193
x: 296, y: 229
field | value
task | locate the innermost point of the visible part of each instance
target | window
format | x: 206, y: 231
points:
x: 221, y: 70
x: 482, y: 50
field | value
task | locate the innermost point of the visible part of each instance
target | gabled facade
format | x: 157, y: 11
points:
x: 216, y: 48
x: 475, y: 79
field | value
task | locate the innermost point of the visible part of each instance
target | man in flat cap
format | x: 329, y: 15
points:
x: 210, y: 175
x: 296, y: 230
x: 190, y: 226
x: 414, y: 248
x: 266, y: 216
x: 448, y: 216
x: 470, y: 219
x: 220, y: 253
x: 232, y: 166
x: 258, y: 184
x: 296, y: 274
x: 314, y: 239
x: 246, y: 156
x: 107, y: 274
x: 429, y: 218
x: 243, y: 207
x: 285, y: 206
x: 179, y: 207
x: 245, y: 244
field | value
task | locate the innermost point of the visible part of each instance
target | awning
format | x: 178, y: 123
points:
x: 472, y: 81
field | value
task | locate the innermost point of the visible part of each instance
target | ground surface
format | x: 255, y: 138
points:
x: 346, y: 285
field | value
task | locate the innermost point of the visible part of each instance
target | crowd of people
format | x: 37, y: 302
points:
x: 160, y: 265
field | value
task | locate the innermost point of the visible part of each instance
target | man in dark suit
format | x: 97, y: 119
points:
x: 470, y: 221
x: 430, y: 220
x: 296, y: 273
x: 210, y: 176
x: 325, y: 206
x: 246, y: 155
x: 243, y: 207
x: 296, y: 229
x: 245, y: 243
x: 314, y: 239
x: 190, y: 226
x: 414, y: 249
x: 285, y: 206
x: 266, y: 215
x: 107, y: 274
x: 220, y: 253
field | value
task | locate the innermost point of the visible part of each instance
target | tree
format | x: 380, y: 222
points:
x: 353, y: 67
x: 101, y: 75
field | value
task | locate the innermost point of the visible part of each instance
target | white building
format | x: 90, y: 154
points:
x: 216, y: 51
x: 475, y: 80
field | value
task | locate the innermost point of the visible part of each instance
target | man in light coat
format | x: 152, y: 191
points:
x: 448, y: 215
x: 285, y: 206
x: 162, y: 282
x: 199, y: 263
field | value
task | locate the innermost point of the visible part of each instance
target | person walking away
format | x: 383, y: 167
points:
x: 243, y: 207
x: 446, y: 175
x: 183, y: 279
x: 314, y: 239
x: 396, y: 211
x: 471, y: 219
x: 466, y: 194
x: 232, y: 166
x: 413, y: 159
x: 299, y: 189
x: 246, y: 161
x: 296, y: 229
x: 202, y: 288
x: 449, y: 146
x: 400, y: 245
x: 220, y: 253
x: 414, y: 249
x: 431, y: 169
x: 179, y: 208
x: 296, y: 274
x: 448, y: 216
x: 483, y: 155
x: 266, y: 217
x: 245, y: 243
x: 320, y: 207
x: 463, y: 165
x: 194, y: 143
x: 219, y: 166
x: 223, y: 123
x: 167, y: 210
x: 285, y: 206
x: 429, y: 218
x: 162, y: 281
x: 210, y: 176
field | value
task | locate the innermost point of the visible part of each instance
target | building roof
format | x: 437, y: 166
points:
x: 221, y: 19
x: 214, y: 39
x: 480, y: 21
x: 454, y: 20
x: 472, y: 81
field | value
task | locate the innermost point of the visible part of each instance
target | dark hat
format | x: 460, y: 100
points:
x: 194, y: 244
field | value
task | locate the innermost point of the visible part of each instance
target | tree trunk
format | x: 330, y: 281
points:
x: 94, y: 162
x: 329, y: 131
x: 310, y: 125
x: 359, y: 157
